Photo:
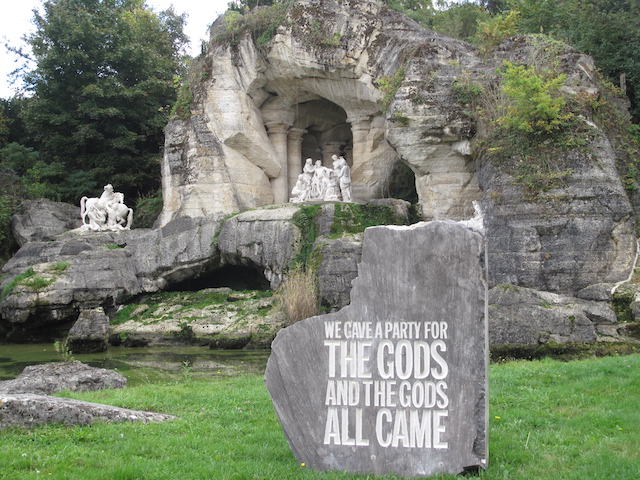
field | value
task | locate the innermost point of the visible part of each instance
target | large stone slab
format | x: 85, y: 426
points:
x: 396, y: 382
x: 28, y: 410
x: 59, y: 376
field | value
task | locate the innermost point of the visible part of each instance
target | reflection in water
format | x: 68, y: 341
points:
x: 143, y: 365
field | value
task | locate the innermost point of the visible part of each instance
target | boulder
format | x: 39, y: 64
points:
x: 42, y: 220
x: 523, y: 316
x: 90, y: 333
x: 28, y: 410
x: 57, y: 377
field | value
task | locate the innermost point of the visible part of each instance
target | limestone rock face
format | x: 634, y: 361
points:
x: 339, y: 267
x: 360, y: 80
x: 574, y: 234
x: 51, y: 282
x: 41, y: 220
x: 90, y: 333
x: 318, y: 88
x: 522, y: 316
x: 265, y: 239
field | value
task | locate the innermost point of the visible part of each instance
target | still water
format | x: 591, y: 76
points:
x: 142, y: 365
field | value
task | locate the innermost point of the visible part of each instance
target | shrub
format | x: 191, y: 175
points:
x: 491, y: 33
x: 389, y: 85
x: 535, y: 104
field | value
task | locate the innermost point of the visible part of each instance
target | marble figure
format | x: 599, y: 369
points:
x: 109, y: 212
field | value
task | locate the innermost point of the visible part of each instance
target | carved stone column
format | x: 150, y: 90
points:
x: 360, y: 128
x: 294, y: 155
x: 280, y: 185
x: 328, y: 150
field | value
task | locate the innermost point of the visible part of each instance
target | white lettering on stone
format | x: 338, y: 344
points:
x: 401, y: 380
x: 337, y: 427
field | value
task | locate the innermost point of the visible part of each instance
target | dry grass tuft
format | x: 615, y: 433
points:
x: 298, y: 295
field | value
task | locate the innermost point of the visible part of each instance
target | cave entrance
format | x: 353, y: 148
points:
x: 402, y: 183
x: 232, y: 276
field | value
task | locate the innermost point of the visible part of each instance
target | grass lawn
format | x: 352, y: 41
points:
x: 549, y: 420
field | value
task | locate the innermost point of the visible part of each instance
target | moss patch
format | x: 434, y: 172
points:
x: 354, y: 218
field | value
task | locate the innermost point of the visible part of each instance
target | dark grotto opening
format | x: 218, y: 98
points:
x: 232, y: 276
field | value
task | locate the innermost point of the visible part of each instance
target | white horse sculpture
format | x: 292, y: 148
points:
x: 105, y: 213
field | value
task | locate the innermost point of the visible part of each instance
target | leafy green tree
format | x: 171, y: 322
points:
x: 608, y: 30
x: 536, y: 105
x: 4, y: 126
x: 103, y: 87
x: 460, y: 20
x: 244, y: 6
x: 419, y: 10
x: 16, y: 131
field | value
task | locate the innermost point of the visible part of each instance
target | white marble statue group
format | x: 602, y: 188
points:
x: 317, y: 182
x: 108, y: 212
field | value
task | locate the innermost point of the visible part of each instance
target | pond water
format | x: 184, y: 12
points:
x: 142, y: 365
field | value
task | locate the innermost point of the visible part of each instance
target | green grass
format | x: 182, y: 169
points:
x: 549, y: 420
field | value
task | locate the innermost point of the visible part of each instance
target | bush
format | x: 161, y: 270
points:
x: 535, y: 104
x: 491, y: 33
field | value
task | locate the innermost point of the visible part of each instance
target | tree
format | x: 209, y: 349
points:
x: 608, y: 30
x: 460, y: 20
x: 243, y: 6
x: 419, y: 10
x: 103, y: 87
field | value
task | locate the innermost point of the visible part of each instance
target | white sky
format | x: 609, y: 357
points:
x: 16, y: 21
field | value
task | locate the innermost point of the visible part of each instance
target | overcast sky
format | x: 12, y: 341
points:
x: 16, y: 21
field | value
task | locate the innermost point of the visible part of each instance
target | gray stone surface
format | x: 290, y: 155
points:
x: 56, y: 377
x: 338, y: 268
x: 519, y: 315
x: 41, y: 220
x: 266, y: 239
x: 28, y: 410
x: 90, y: 333
x: 396, y: 382
x: 104, y: 269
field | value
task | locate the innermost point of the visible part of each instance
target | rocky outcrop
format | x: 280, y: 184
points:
x: 358, y: 79
x: 90, y: 333
x: 265, y: 239
x: 363, y: 81
x: 558, y: 236
x: 215, y: 317
x: 51, y: 283
x: 25, y: 400
x: 325, y: 84
x: 522, y: 316
x: 42, y: 220
x: 338, y: 268
x: 57, y: 377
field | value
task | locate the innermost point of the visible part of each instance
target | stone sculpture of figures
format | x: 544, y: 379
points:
x: 318, y: 182
x: 108, y: 212
x: 343, y: 173
x: 302, y: 189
